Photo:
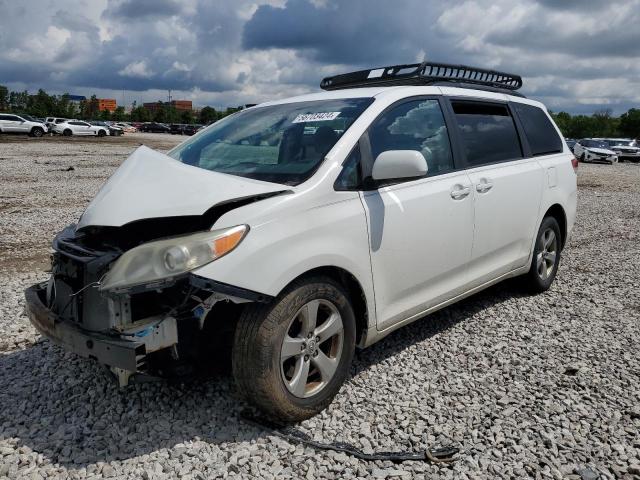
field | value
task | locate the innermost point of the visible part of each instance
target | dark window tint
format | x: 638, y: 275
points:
x: 488, y: 132
x: 542, y: 136
x: 349, y: 178
x: 415, y: 125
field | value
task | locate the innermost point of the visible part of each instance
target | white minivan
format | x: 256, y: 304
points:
x: 290, y: 233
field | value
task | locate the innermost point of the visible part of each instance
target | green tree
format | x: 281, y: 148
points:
x: 118, y: 114
x: 4, y: 98
x: 105, y: 115
x: 91, y: 108
x: 630, y: 123
x: 208, y: 115
x: 186, y: 116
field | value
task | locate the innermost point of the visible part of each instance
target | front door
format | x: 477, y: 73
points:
x: 421, y: 230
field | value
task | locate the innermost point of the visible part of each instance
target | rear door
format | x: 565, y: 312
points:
x: 11, y: 124
x: 507, y: 187
x: 421, y: 229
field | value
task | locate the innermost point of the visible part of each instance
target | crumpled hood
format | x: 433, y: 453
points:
x: 150, y: 184
x: 601, y: 151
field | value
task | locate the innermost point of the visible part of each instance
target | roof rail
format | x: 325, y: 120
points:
x: 425, y: 73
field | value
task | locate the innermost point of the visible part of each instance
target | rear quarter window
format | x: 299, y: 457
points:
x: 542, y: 136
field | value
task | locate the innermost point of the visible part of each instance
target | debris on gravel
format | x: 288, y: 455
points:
x: 526, y: 386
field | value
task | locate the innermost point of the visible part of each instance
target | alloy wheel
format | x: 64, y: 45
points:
x: 547, y: 253
x: 311, y: 348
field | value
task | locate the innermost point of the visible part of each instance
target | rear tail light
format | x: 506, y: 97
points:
x: 574, y: 163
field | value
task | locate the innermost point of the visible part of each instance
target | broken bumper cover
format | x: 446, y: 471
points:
x: 108, y: 350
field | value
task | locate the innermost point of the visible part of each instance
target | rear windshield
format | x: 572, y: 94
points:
x: 280, y: 143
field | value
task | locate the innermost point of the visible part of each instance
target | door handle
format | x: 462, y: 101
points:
x: 484, y: 186
x: 459, y: 192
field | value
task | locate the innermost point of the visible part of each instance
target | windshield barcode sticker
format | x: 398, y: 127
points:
x: 316, y: 117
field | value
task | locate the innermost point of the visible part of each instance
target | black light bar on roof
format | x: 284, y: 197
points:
x: 424, y: 73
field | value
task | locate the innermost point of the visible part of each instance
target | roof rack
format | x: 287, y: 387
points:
x: 425, y: 73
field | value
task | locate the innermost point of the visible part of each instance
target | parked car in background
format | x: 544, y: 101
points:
x: 625, y: 148
x: 591, y: 150
x: 126, y: 127
x: 404, y: 199
x: 50, y: 122
x: 177, y: 128
x: 11, y: 123
x: 155, y: 127
x: 111, y: 129
x: 570, y: 143
x: 79, y: 127
x: 191, y: 129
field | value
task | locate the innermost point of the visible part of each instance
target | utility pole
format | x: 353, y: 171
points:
x: 169, y: 97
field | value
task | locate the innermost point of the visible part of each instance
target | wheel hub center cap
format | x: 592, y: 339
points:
x: 311, y: 346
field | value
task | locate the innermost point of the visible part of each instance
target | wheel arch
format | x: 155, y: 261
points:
x: 353, y: 288
x: 556, y: 211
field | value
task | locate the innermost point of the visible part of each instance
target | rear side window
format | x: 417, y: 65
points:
x: 542, y: 136
x: 488, y: 133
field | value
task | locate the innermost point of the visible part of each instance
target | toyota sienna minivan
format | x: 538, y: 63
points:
x: 293, y: 232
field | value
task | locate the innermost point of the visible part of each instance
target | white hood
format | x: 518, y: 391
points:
x: 150, y: 184
x: 601, y: 151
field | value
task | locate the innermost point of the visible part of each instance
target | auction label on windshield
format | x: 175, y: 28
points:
x: 316, y: 117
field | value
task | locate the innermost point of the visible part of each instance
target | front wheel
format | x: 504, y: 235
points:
x: 546, y: 257
x: 67, y: 133
x: 291, y: 357
x: 101, y: 133
x: 37, y: 132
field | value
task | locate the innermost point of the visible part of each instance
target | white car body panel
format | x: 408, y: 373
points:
x: 17, y: 124
x: 150, y: 184
x: 82, y: 128
x: 408, y: 260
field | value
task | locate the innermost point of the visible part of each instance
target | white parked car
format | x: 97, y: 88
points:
x: 592, y: 150
x: 78, y: 127
x: 11, y: 123
x: 624, y: 148
x: 295, y: 231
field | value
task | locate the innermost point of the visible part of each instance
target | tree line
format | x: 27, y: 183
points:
x: 44, y: 105
x: 601, y: 124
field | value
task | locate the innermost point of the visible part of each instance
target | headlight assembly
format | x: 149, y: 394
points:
x: 162, y: 261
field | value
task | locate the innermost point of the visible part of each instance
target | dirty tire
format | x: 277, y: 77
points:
x: 37, y: 132
x: 101, y: 133
x: 257, y: 346
x: 532, y: 280
x: 67, y: 133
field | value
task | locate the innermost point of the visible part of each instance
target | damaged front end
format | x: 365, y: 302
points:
x: 114, y: 302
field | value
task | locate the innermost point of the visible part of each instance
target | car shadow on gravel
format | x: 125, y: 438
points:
x: 67, y: 409
x: 436, y: 322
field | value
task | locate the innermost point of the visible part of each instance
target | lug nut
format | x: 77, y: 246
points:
x: 310, y: 335
x: 317, y: 339
x: 306, y: 358
x: 315, y: 354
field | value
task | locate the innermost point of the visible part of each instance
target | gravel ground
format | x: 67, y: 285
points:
x: 543, y: 386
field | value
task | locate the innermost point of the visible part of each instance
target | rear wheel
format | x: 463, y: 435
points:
x: 67, y: 133
x: 546, y: 257
x: 37, y: 132
x: 291, y: 357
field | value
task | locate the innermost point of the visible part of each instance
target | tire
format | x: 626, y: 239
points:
x: 67, y: 133
x: 582, y: 158
x: 265, y: 367
x: 101, y: 133
x: 546, y: 257
x: 614, y: 161
x: 37, y: 132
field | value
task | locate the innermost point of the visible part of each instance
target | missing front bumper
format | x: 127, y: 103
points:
x: 112, y: 351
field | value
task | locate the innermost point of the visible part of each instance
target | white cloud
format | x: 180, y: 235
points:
x: 137, y: 70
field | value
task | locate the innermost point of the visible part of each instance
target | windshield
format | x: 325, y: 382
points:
x: 623, y: 143
x: 595, y: 144
x: 280, y: 143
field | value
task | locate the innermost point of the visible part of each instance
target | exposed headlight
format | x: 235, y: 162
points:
x: 163, y: 260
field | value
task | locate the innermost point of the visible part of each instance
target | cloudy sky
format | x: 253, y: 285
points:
x: 575, y: 55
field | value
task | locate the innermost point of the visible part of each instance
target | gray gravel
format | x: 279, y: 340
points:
x: 544, y: 387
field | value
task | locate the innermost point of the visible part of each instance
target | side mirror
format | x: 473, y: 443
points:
x: 394, y: 164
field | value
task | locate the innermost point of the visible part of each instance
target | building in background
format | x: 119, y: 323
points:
x: 180, y: 105
x: 106, y: 104
x: 77, y: 99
